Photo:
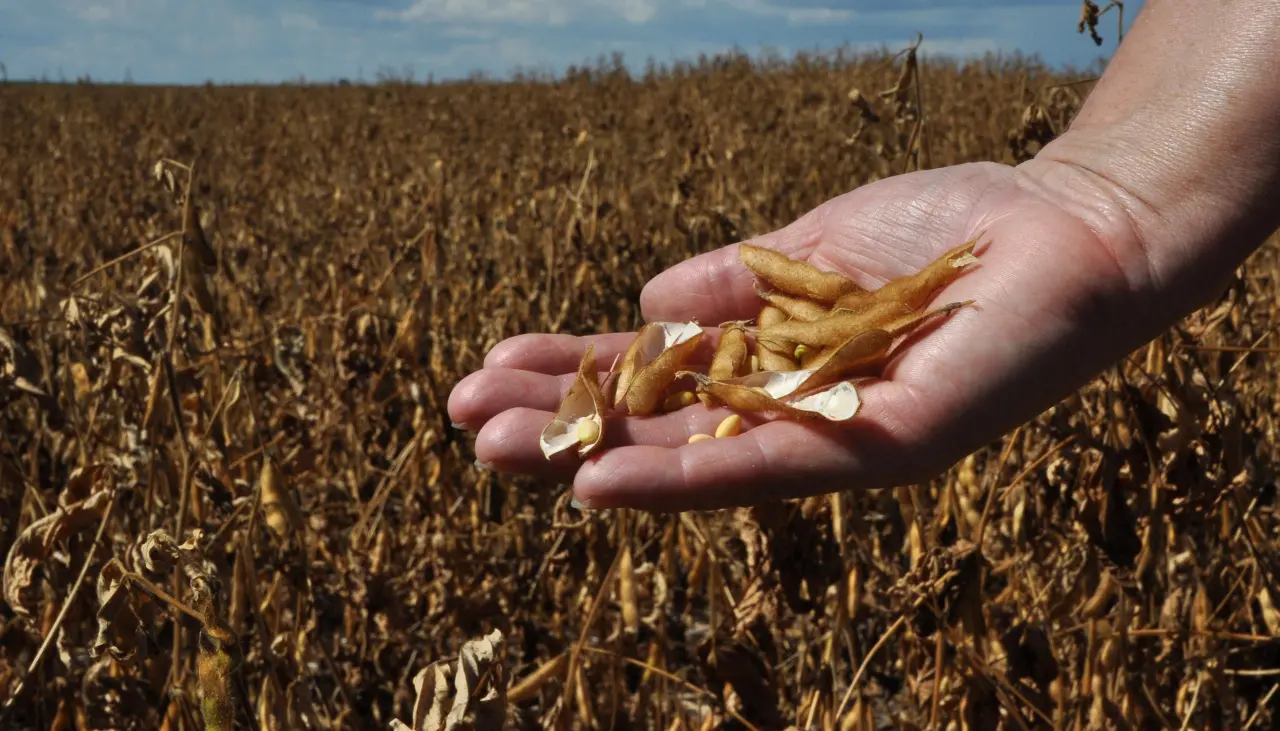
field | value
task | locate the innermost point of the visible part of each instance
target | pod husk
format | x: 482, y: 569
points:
x: 775, y: 384
x: 777, y: 354
x: 833, y: 329
x: 584, y: 401
x: 858, y: 355
x: 731, y: 358
x: 797, y: 308
x: 649, y: 373
x: 837, y: 402
x: 793, y: 276
x: 869, y: 350
x: 915, y: 290
x: 653, y: 340
x: 907, y: 323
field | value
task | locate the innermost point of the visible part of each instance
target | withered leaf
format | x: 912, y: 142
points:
x: 37, y: 541
x: 119, y: 628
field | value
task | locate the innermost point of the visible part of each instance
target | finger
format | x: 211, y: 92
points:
x: 773, y: 461
x: 558, y: 354
x: 482, y: 395
x: 555, y: 354
x: 715, y: 286
x: 509, y: 441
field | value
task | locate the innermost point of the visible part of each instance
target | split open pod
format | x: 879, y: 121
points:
x: 579, y: 422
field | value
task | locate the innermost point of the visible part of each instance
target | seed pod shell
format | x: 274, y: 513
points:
x: 584, y: 403
x: 794, y: 276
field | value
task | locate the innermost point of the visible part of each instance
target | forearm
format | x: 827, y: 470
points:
x: 1175, y: 157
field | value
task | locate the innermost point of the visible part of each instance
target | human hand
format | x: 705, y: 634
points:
x: 1056, y: 301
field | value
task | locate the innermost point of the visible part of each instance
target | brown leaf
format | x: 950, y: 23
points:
x: 37, y: 541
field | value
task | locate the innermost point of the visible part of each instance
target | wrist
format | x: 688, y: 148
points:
x: 1174, y: 161
x: 1175, y: 235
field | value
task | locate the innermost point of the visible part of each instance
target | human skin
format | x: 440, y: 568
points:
x: 1136, y: 216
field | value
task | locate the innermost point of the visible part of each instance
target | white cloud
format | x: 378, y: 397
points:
x: 801, y: 16
x: 298, y: 21
x: 468, y: 32
x: 110, y: 12
x: 959, y: 47
x: 546, y: 12
x: 549, y: 12
x: 792, y: 15
x: 95, y: 13
x: 638, y: 11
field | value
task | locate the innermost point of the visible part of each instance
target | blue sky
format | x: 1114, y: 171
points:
x: 192, y: 41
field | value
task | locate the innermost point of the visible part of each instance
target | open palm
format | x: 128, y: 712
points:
x: 1054, y: 304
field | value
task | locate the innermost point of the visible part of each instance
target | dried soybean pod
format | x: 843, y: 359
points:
x: 775, y: 384
x: 797, y: 308
x: 769, y: 316
x: 777, y: 354
x: 650, y: 382
x: 579, y: 420
x: 835, y: 403
x: 869, y: 350
x: 651, y: 342
x: 857, y: 356
x: 609, y: 386
x: 794, y: 276
x: 907, y: 323
x: 838, y: 402
x: 629, y: 366
x: 193, y: 233
x: 915, y: 290
x: 730, y: 358
x: 1097, y: 603
x: 835, y: 328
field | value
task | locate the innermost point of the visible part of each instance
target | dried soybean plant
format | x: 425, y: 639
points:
x: 817, y: 331
x: 478, y: 692
x: 1047, y: 115
x: 1107, y: 565
x: 1091, y: 15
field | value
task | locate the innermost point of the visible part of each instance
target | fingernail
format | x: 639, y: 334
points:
x: 461, y: 427
x: 578, y: 504
x: 484, y: 465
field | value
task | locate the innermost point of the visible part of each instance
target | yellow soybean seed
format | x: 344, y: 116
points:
x: 730, y: 427
x: 679, y: 400
x: 588, y: 431
x: 699, y: 438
